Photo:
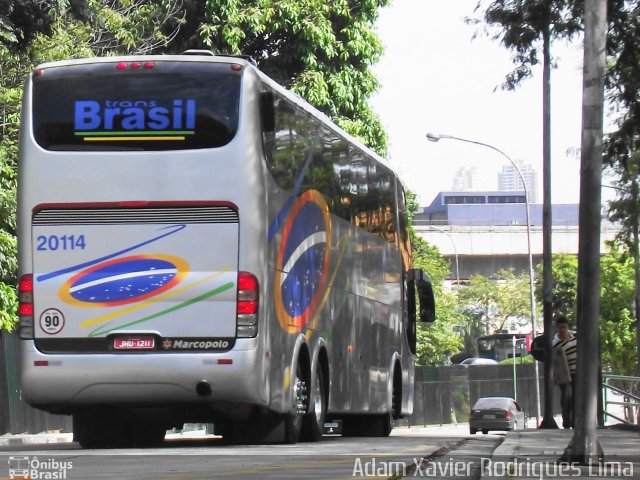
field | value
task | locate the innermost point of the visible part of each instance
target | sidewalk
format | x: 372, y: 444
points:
x: 529, y: 454
x: 615, y: 442
x: 532, y: 453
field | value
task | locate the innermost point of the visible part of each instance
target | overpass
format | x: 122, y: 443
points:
x: 485, y: 249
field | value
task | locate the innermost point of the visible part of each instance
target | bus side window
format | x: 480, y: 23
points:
x: 267, y: 112
x: 268, y: 119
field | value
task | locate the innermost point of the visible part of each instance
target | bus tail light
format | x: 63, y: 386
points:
x: 247, y: 308
x: 25, y: 306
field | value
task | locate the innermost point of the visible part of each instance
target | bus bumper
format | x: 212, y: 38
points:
x: 61, y: 382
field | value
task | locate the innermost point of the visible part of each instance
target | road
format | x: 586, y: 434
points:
x: 333, y: 458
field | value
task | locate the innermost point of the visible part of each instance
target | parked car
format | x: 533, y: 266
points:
x: 478, y: 361
x: 496, y: 413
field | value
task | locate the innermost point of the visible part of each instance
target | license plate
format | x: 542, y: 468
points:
x: 134, y: 343
x: 489, y: 417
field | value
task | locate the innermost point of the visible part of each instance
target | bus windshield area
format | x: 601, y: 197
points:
x: 157, y: 105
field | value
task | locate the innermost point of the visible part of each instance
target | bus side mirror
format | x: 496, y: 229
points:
x: 267, y: 112
x: 426, y: 298
x: 537, y: 348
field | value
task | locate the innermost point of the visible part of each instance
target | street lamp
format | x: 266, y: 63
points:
x: 455, y: 251
x: 434, y: 137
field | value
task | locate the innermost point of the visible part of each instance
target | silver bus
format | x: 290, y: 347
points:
x: 198, y: 244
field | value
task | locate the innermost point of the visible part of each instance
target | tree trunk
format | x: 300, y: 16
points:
x: 584, y: 446
x: 547, y: 274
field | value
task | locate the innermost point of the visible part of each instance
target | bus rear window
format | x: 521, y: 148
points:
x: 167, y: 106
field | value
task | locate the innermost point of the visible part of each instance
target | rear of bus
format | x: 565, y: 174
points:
x: 140, y: 189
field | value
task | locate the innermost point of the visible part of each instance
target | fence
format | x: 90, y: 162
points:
x: 15, y: 415
x: 445, y: 394
x: 621, y: 395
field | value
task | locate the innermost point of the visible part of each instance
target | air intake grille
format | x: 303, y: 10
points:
x: 119, y: 216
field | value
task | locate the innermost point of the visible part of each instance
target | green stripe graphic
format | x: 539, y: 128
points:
x: 204, y: 296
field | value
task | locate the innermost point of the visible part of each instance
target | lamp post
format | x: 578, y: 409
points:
x: 434, y: 137
x: 455, y: 252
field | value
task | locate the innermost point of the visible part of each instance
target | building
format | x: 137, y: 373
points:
x: 484, y: 232
x: 472, y: 178
x: 509, y: 179
x: 491, y: 208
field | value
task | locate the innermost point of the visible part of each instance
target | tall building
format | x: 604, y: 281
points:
x: 509, y: 179
x: 469, y: 179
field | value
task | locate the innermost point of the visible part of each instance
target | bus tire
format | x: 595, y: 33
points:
x: 147, y: 434
x: 85, y: 432
x: 367, y: 425
x: 293, y: 419
x: 313, y: 421
x: 100, y: 428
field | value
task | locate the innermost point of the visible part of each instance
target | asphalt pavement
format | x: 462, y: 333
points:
x: 531, y: 453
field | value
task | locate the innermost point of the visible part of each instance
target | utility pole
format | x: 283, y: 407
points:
x: 584, y: 446
x: 547, y: 274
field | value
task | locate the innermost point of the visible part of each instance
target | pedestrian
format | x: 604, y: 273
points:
x: 565, y: 355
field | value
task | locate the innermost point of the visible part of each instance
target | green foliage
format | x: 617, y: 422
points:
x: 8, y: 307
x: 565, y: 289
x: 617, y: 288
x: 617, y: 332
x: 439, y: 340
x: 522, y: 25
x: 622, y: 85
x: 518, y: 360
x: 502, y: 300
x: 321, y: 50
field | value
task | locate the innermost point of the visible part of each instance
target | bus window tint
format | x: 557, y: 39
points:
x: 172, y: 106
x: 356, y: 188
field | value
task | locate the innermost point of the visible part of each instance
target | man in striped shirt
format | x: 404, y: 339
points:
x: 565, y: 340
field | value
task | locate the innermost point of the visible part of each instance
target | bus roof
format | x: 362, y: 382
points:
x: 246, y: 63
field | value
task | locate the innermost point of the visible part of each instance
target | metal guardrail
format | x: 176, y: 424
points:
x: 631, y: 399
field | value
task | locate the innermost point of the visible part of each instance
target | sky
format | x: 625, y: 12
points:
x: 435, y: 77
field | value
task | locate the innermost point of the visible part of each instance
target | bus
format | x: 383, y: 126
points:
x: 199, y: 245
x: 501, y: 346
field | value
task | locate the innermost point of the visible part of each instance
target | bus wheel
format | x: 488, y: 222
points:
x: 293, y: 420
x: 100, y: 428
x: 86, y: 430
x: 367, y: 425
x: 147, y: 434
x: 313, y: 422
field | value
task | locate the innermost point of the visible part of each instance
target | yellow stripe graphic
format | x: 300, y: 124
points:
x: 112, y: 139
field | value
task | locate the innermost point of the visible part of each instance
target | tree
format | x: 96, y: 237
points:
x: 497, y: 300
x: 436, y: 342
x: 618, y: 352
x: 525, y: 27
x: 22, y: 20
x: 621, y: 146
x: 321, y: 50
x: 565, y: 271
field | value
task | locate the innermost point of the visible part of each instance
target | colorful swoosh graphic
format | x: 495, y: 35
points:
x: 302, y: 263
x: 211, y: 293
x: 135, y: 282
x: 57, y: 273
x: 110, y: 316
x: 124, y: 280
